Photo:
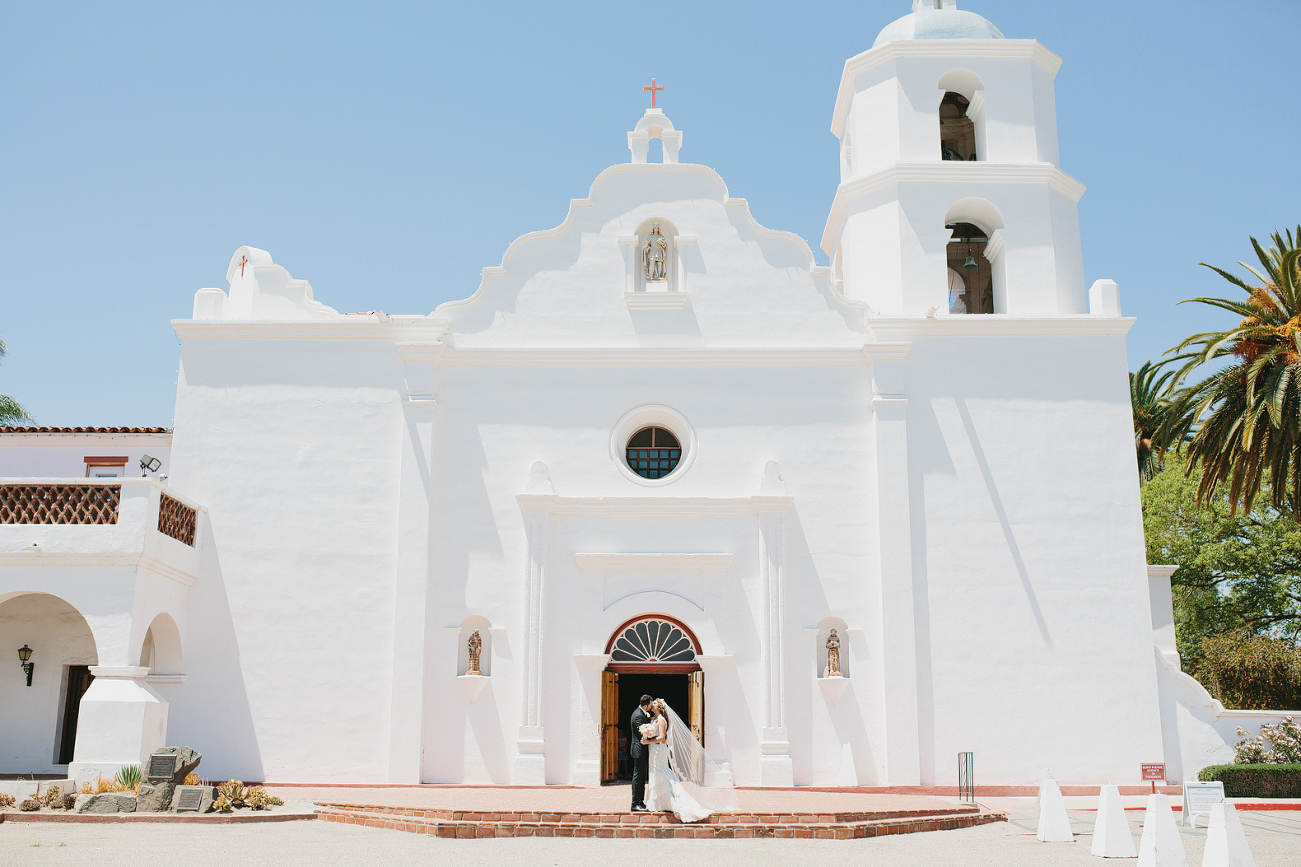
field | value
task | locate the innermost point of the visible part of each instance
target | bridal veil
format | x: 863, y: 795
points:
x: 705, y: 778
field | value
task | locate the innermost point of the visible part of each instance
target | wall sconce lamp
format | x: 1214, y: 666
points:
x: 24, y: 654
x: 149, y: 465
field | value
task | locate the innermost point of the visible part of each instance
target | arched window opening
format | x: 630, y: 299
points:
x: 653, y: 452
x: 971, y: 282
x: 652, y: 640
x: 957, y: 131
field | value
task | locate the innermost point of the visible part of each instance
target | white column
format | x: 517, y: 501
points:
x: 628, y: 247
x: 776, y: 768
x: 587, y: 706
x: 411, y: 582
x: 531, y: 759
x: 718, y: 670
x: 121, y: 721
x: 889, y: 427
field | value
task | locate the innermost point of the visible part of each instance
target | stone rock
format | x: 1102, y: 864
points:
x: 106, y: 802
x: 185, y: 760
x: 155, y: 797
x: 187, y: 797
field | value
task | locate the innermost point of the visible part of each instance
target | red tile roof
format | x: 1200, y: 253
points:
x: 90, y: 430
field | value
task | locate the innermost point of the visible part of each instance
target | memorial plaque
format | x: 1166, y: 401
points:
x: 161, y: 766
x: 189, y: 798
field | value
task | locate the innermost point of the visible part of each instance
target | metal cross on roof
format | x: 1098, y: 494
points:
x: 652, y: 87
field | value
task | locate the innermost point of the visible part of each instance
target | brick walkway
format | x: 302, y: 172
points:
x: 472, y: 812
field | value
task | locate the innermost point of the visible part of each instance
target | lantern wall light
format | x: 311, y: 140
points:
x: 25, y: 654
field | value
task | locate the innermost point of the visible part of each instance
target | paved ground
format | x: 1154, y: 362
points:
x: 1275, y: 838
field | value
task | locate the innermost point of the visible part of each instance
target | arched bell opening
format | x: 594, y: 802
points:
x: 957, y: 131
x: 654, y: 655
x: 969, y: 273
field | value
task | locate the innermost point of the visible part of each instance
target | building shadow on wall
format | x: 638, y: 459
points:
x: 1003, y: 521
x: 211, y: 711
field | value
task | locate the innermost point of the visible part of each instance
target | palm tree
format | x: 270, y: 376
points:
x: 1156, y: 418
x: 1248, y: 413
x: 11, y: 411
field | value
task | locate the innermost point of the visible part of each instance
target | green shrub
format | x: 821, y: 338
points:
x: 1256, y: 781
x: 1251, y: 672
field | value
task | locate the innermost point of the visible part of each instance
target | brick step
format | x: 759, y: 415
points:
x: 729, y: 830
x: 516, y: 817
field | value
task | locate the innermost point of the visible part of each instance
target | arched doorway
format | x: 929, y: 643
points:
x: 40, y: 721
x: 652, y: 654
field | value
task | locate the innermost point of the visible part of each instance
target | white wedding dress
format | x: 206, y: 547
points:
x: 665, y: 792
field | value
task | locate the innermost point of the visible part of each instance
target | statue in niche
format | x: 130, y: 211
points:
x: 833, y: 656
x: 655, y: 256
x: 476, y: 648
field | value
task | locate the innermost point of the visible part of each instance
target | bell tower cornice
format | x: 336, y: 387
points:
x: 865, y: 62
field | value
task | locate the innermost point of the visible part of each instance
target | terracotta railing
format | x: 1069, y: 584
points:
x: 59, y: 504
x: 176, y: 519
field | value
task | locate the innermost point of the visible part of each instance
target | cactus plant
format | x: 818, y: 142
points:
x: 31, y: 805
x: 6, y: 800
x: 130, y: 777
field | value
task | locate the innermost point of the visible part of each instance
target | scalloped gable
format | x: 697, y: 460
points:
x: 746, y: 285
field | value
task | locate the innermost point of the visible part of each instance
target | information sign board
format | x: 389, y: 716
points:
x: 1199, y: 798
x: 1154, y: 772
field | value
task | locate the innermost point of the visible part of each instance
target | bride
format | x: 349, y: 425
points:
x: 684, y: 779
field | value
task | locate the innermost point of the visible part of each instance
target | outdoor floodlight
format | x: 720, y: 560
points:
x: 24, y: 654
x: 149, y: 465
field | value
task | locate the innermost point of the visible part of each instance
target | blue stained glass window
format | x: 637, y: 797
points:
x: 653, y: 452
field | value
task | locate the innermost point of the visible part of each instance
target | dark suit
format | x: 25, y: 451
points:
x: 640, y: 758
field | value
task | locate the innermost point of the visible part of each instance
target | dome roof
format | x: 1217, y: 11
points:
x: 938, y: 24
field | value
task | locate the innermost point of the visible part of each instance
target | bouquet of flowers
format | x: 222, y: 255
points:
x: 648, y: 731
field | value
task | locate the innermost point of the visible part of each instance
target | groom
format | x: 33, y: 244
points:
x: 640, y: 754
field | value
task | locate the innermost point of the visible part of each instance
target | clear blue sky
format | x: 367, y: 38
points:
x: 386, y: 152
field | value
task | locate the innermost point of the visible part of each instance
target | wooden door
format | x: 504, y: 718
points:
x: 79, y: 678
x: 696, y: 704
x: 609, y: 727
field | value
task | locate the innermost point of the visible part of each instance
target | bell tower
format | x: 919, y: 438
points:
x: 951, y: 196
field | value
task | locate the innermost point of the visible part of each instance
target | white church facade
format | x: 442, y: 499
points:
x: 658, y: 449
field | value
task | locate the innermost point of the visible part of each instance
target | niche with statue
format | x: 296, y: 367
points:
x: 833, y: 657
x: 474, y: 655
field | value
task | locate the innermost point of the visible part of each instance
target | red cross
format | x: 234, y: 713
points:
x: 242, y: 263
x: 652, y: 87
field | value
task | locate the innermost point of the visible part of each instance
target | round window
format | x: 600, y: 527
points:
x: 653, y: 452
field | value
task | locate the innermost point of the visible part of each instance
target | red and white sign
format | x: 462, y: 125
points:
x: 1154, y: 772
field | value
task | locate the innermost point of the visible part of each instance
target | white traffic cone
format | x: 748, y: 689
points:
x: 1160, y: 846
x: 1239, y: 853
x: 1216, y: 853
x: 1054, y: 824
x: 1112, y: 837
